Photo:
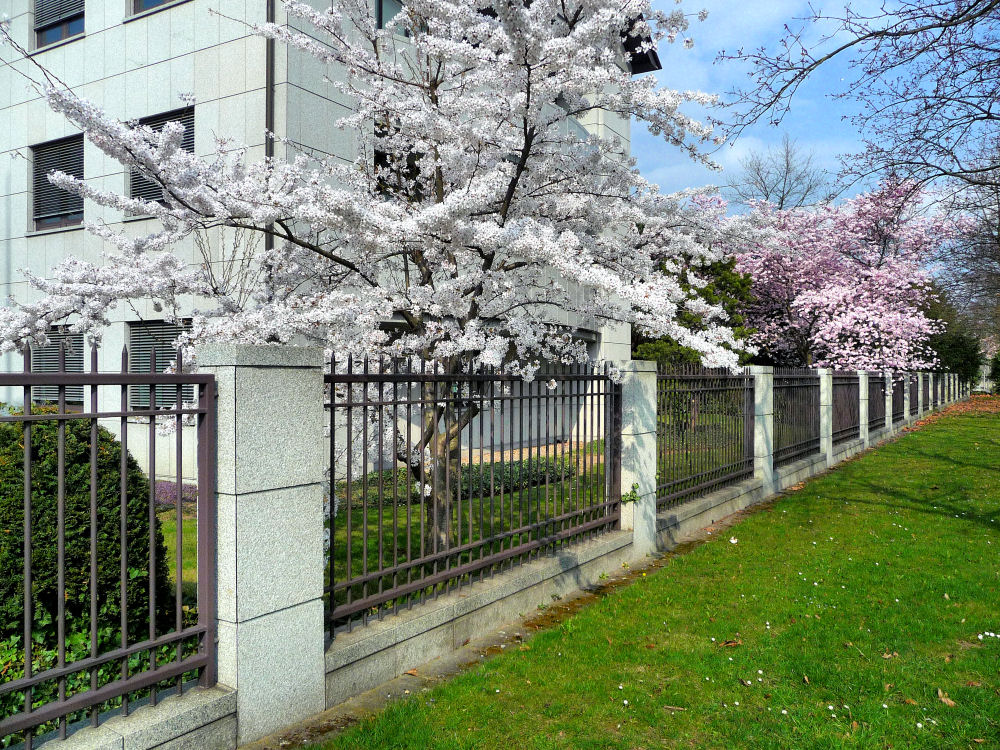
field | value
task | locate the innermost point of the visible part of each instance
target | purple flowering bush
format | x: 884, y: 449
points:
x: 166, y: 493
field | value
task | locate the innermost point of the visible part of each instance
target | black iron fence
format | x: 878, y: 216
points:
x: 927, y: 391
x: 898, y: 397
x: 704, y: 431
x: 876, y: 402
x: 107, y: 598
x: 796, y: 414
x: 438, y: 479
x: 914, y: 386
x: 936, y: 396
x: 846, y: 407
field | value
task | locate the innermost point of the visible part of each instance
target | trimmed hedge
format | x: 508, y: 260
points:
x: 502, y: 477
x: 44, y: 536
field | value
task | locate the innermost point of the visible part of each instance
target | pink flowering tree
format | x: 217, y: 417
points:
x: 477, y: 217
x: 846, y: 286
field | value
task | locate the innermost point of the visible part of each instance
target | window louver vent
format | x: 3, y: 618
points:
x: 54, y: 206
x: 46, y: 359
x: 145, y: 337
x: 51, y: 11
x: 139, y: 186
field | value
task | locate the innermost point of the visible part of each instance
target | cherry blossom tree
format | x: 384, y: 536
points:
x: 476, y: 216
x: 844, y: 286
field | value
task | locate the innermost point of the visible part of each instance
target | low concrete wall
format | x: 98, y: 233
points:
x: 200, y: 719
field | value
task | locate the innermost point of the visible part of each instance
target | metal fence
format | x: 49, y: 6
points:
x: 914, y: 387
x: 438, y: 478
x: 846, y: 407
x: 876, y: 402
x: 936, y: 395
x: 108, y: 589
x: 796, y: 414
x: 927, y: 391
x: 898, y: 397
x: 704, y: 431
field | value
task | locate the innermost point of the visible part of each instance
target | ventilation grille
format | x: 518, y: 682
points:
x: 51, y: 202
x: 46, y: 359
x: 148, y: 190
x: 48, y: 12
x: 146, y: 337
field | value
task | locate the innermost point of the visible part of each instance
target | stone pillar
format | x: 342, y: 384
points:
x: 270, y: 532
x: 920, y: 394
x: 906, y: 396
x: 638, y: 475
x: 929, y: 406
x: 763, y: 431
x: 888, y: 401
x: 863, y: 406
x: 826, y: 414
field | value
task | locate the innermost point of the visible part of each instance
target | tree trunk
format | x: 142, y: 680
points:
x: 440, y: 465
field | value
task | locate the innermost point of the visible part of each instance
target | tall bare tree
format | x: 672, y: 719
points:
x: 926, y: 78
x: 969, y: 269
x: 784, y: 175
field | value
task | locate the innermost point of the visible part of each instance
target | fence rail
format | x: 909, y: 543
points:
x: 704, y: 431
x: 846, y: 407
x: 914, y: 387
x: 437, y: 478
x: 796, y: 414
x: 110, y: 614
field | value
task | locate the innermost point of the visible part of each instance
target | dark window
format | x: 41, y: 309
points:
x: 395, y: 176
x: 386, y: 10
x: 46, y: 359
x: 53, y: 206
x: 144, y: 338
x: 139, y: 6
x: 139, y: 186
x: 639, y: 61
x: 56, y: 20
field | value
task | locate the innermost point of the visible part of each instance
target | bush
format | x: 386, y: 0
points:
x: 44, y: 436
x: 511, y: 476
x: 506, y: 476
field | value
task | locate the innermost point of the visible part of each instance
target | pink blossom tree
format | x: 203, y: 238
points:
x: 843, y: 286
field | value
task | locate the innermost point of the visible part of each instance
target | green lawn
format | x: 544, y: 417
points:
x: 850, y: 604
x: 189, y: 550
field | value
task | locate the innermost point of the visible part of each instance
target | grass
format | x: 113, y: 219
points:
x: 189, y: 549
x: 850, y: 604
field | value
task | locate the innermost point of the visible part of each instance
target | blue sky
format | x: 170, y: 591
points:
x: 815, y: 120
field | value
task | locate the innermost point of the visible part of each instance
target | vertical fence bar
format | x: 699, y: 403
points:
x: 207, y: 530
x: 28, y: 550
x: 123, y: 524
x: 61, y: 535
x: 93, y: 529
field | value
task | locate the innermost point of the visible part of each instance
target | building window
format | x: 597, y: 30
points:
x: 144, y: 338
x: 386, y: 10
x: 45, y: 359
x: 56, y: 20
x: 52, y: 206
x: 148, y: 190
x: 138, y: 6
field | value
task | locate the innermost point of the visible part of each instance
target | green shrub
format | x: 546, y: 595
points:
x: 510, y: 476
x: 44, y: 508
x: 505, y: 476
